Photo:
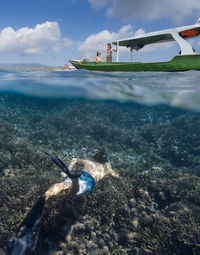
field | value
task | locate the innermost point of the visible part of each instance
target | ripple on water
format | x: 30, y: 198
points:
x: 178, y: 89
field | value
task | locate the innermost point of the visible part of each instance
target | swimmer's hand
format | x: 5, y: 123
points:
x: 71, y: 174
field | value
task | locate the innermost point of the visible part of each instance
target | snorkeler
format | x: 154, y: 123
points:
x: 25, y: 238
x: 70, y: 68
x: 93, y: 172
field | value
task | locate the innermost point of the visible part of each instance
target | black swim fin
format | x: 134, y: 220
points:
x: 25, y: 238
x: 71, y: 174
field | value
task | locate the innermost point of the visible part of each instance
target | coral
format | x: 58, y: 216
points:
x: 153, y: 209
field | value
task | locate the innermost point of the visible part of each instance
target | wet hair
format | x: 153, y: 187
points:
x: 101, y: 157
x: 109, y: 44
x: 98, y: 52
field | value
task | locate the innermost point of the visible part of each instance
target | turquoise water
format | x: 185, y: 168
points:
x: 149, y: 126
x: 173, y: 89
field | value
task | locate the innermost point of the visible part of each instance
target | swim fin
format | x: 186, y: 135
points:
x: 71, y: 174
x: 25, y: 238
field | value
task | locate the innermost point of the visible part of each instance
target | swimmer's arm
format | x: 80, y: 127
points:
x: 112, y: 172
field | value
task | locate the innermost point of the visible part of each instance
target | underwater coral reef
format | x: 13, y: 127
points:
x: 153, y: 209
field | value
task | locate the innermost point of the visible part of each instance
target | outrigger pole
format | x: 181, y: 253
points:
x: 117, y: 51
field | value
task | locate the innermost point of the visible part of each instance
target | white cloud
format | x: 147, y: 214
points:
x: 98, y: 41
x: 140, y: 31
x: 67, y: 42
x: 30, y: 40
x: 176, y: 10
x: 99, y: 3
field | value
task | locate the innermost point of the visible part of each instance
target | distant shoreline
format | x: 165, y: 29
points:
x: 30, y: 68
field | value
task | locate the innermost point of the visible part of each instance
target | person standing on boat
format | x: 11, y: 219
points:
x: 109, y: 53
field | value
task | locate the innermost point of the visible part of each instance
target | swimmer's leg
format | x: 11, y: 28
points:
x: 25, y: 237
x: 73, y: 175
x: 56, y: 188
x: 74, y: 188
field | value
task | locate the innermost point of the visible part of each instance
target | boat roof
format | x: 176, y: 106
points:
x: 159, y: 36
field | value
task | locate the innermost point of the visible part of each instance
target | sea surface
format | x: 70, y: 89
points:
x: 149, y: 126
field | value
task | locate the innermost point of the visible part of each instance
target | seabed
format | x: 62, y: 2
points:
x: 153, y: 209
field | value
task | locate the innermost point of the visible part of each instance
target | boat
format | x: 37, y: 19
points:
x: 187, y: 59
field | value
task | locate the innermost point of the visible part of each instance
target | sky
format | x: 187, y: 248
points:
x: 51, y: 32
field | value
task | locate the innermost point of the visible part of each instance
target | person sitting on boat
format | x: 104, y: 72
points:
x: 78, y: 182
x: 96, y: 60
x: 98, y: 57
x: 109, y: 52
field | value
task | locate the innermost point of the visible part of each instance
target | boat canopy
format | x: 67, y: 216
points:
x: 173, y: 34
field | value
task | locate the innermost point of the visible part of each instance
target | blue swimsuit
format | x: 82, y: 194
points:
x: 86, y: 182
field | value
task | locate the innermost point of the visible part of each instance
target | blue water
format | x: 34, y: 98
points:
x: 148, y: 124
x: 179, y: 89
